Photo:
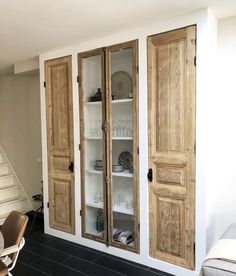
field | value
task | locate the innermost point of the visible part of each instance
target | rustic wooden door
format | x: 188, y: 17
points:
x: 58, y: 76
x: 171, y: 83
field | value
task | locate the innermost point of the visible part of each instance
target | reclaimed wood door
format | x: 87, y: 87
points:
x: 58, y: 76
x: 171, y: 103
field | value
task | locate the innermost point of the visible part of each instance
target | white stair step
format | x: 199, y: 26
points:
x: 16, y: 204
x: 10, y: 193
x: 3, y: 169
x: 3, y: 216
x: 7, y: 180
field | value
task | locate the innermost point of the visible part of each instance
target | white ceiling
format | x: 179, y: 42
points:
x: 31, y: 27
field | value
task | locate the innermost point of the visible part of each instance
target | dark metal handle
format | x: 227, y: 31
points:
x: 71, y: 167
x: 149, y: 175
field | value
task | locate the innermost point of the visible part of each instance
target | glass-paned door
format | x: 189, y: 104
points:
x: 93, y: 161
x: 122, y: 92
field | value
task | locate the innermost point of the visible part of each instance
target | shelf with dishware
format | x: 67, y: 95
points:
x: 119, y: 101
x: 115, y: 208
x: 118, y: 174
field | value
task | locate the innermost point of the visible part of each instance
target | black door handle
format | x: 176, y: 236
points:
x: 71, y: 167
x: 149, y: 175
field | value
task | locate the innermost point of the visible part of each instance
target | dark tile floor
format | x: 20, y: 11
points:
x: 47, y: 255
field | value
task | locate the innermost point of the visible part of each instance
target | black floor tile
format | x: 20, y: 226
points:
x: 73, y: 249
x: 125, y: 260
x: 39, y: 237
x: 56, y: 269
x: 27, y: 257
x: 45, y: 251
x: 47, y: 255
x: 124, y: 267
x: 26, y: 270
x: 91, y: 269
x: 161, y: 273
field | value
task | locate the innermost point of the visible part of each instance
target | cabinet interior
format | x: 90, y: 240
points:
x: 108, y: 208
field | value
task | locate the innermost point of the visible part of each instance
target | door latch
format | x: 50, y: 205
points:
x: 149, y: 175
x: 71, y: 167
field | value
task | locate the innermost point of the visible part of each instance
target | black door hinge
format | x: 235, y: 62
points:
x: 44, y: 84
x: 48, y: 204
x: 137, y: 69
x: 80, y: 213
x: 149, y: 175
x: 138, y: 150
x: 194, y: 149
x: 195, y: 61
x: 71, y: 167
x: 79, y: 146
x: 78, y: 79
x: 138, y: 226
x: 194, y: 248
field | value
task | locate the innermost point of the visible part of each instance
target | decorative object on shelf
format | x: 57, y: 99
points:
x: 98, y: 197
x: 122, y: 128
x: 121, y: 85
x: 100, y: 221
x: 117, y: 168
x: 125, y: 159
x: 97, y: 97
x: 98, y: 166
x: 96, y: 129
x: 123, y: 236
x: 99, y: 163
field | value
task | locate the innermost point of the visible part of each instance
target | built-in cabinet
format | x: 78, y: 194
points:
x: 107, y: 153
x: 109, y: 145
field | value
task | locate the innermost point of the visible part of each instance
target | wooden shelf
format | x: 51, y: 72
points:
x: 116, y: 209
x: 119, y: 174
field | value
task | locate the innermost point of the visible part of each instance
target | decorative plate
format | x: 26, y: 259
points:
x: 121, y: 85
x: 125, y: 159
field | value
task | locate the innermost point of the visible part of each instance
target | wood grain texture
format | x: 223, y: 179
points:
x: 171, y: 126
x: 58, y: 76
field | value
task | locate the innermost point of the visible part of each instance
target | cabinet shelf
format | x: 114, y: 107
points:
x: 116, y: 209
x: 119, y: 174
x: 113, y: 138
x: 113, y: 102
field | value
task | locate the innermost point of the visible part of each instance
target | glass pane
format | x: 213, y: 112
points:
x: 93, y: 145
x: 122, y: 147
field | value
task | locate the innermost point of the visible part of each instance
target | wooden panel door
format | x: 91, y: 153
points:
x: 171, y: 83
x: 58, y: 74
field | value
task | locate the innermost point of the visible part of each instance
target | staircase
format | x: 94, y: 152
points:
x: 12, y: 194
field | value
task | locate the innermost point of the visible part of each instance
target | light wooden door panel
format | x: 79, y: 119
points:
x: 171, y: 145
x: 60, y: 143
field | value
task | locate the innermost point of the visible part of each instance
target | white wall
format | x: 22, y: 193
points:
x: 20, y: 128
x: 224, y: 126
x: 206, y: 25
